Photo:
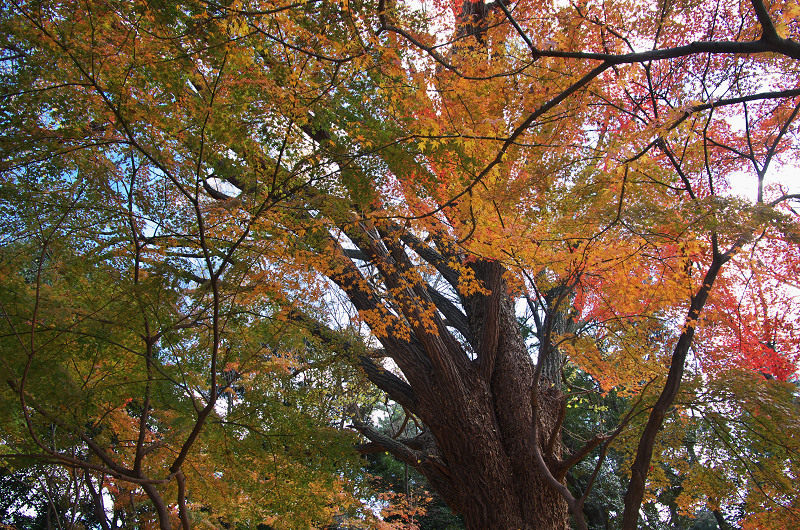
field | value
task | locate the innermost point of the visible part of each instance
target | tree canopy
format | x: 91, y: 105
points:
x: 228, y: 227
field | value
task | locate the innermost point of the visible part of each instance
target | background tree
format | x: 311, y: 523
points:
x: 231, y: 171
x: 119, y: 339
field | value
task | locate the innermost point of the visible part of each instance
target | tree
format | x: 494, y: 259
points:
x: 118, y: 342
x: 232, y: 168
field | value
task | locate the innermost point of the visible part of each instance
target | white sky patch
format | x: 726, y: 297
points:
x: 744, y: 183
x: 224, y: 187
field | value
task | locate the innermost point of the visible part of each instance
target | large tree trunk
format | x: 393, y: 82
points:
x: 483, y: 431
x: 474, y: 395
x: 484, y: 436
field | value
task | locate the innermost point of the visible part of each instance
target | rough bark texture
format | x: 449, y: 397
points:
x: 471, y: 389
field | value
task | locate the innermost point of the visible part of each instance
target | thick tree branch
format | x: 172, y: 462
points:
x: 554, y: 434
x: 417, y: 443
x: 97, y: 500
x: 396, y: 388
x: 579, y: 455
x: 183, y: 512
x: 455, y: 317
x: 502, y: 6
x: 427, y: 253
x: 160, y: 507
x: 399, y: 340
x: 408, y: 289
x: 396, y: 448
x: 357, y: 254
x: 575, y: 505
x: 768, y: 31
x: 420, y: 453
x: 348, y: 277
x: 492, y: 275
x: 214, y: 193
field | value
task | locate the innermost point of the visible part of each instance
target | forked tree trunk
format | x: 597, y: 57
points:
x: 483, y: 431
x: 473, y: 395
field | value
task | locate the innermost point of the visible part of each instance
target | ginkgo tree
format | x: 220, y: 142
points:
x: 202, y: 196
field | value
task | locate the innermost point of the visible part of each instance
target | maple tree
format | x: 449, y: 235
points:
x: 206, y: 202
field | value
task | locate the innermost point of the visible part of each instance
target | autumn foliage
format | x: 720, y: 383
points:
x: 230, y: 228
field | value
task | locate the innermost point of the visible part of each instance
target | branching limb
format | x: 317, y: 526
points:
x: 768, y: 31
x: 632, y: 413
x: 97, y: 500
x: 455, y: 317
x: 183, y: 512
x: 575, y: 505
x: 501, y: 4
x: 396, y: 448
x: 396, y: 388
x: 551, y: 443
x: 644, y: 453
x: 432, y: 256
x: 418, y: 443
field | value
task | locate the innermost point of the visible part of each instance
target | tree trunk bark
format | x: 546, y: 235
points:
x: 497, y: 484
x: 483, y: 431
x: 473, y: 393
